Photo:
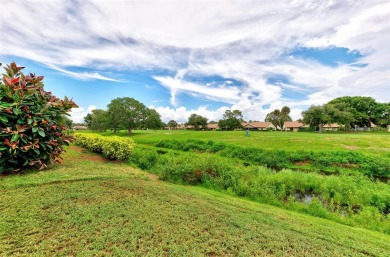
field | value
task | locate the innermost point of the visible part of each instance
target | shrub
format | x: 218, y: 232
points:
x: 144, y: 158
x: 113, y: 147
x: 32, y: 132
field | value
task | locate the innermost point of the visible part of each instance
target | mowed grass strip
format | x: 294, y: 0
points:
x: 90, y: 207
x: 368, y: 142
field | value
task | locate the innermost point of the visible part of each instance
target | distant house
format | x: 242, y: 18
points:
x: 331, y: 127
x: 258, y: 125
x: 80, y: 127
x: 183, y: 127
x: 292, y: 126
x: 365, y: 128
x: 212, y: 126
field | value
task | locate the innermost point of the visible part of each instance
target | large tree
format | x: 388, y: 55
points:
x: 279, y: 117
x: 383, y: 118
x: 231, y: 120
x: 340, y: 113
x: 197, y: 121
x: 126, y: 113
x: 360, y: 110
x: 316, y: 117
x: 153, y: 120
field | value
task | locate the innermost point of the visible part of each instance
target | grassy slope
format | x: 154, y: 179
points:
x: 89, y: 207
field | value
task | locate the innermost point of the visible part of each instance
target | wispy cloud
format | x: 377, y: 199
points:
x: 83, y: 75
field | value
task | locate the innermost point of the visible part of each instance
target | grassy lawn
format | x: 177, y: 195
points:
x: 370, y: 143
x: 88, y: 206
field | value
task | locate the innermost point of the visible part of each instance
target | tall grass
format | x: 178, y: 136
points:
x: 325, y: 161
x: 353, y: 200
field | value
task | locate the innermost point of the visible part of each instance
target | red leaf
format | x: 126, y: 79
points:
x: 7, y: 81
x: 15, y: 80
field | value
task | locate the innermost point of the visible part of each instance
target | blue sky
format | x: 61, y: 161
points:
x: 204, y: 57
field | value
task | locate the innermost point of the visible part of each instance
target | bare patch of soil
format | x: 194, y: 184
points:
x: 152, y: 176
x: 302, y: 163
x: 86, y: 156
x: 351, y: 147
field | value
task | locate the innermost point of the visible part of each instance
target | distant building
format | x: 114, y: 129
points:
x: 212, y: 126
x: 292, y: 126
x: 80, y: 127
x: 184, y: 127
x: 258, y: 125
x: 331, y: 127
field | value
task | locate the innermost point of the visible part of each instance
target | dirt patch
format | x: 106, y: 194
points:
x: 349, y: 165
x: 351, y: 147
x: 85, y: 155
x: 379, y: 148
x: 302, y: 163
x: 152, y: 176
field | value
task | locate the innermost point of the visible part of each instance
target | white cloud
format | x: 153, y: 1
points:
x: 240, y: 40
x: 77, y: 114
x: 181, y: 114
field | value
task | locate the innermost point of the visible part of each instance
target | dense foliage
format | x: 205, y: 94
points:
x: 357, y: 111
x: 113, y: 148
x: 97, y: 120
x: 124, y: 113
x: 32, y: 122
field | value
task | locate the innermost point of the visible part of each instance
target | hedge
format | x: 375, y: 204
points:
x: 113, y: 147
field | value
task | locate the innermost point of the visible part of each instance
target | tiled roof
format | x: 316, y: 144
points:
x: 293, y: 124
x: 333, y: 125
x: 258, y: 124
x: 212, y: 126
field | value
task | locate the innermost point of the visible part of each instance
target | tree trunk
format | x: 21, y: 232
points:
x: 129, y: 131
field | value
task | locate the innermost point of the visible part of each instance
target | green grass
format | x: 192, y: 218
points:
x: 89, y: 207
x: 366, y: 142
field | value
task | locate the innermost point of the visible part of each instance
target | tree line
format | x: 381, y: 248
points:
x: 128, y: 114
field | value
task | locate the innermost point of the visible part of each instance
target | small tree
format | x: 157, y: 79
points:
x: 231, y: 120
x: 32, y: 122
x: 279, y: 117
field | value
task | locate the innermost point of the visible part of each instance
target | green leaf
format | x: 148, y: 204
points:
x: 35, y: 129
x: 24, y: 140
x: 29, y: 121
x: 3, y: 119
x: 2, y: 148
x: 41, y: 133
x: 17, y: 111
x: 15, y: 137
